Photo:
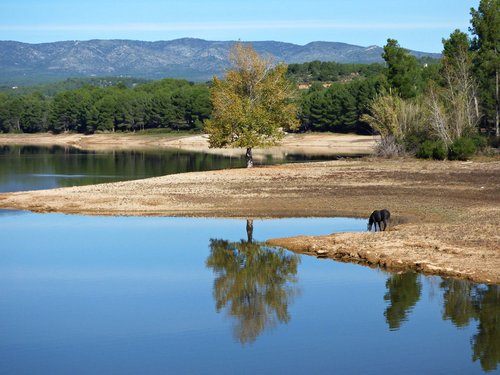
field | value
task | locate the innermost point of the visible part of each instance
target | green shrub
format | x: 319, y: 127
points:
x: 425, y: 150
x: 440, y: 151
x: 462, y: 149
x: 480, y: 141
x: 432, y: 150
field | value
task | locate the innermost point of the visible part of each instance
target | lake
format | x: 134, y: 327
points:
x: 33, y: 167
x: 161, y: 295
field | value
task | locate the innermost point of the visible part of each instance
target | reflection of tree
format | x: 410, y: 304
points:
x: 463, y: 302
x: 254, y: 282
x: 486, y: 343
x: 458, y: 306
x: 403, y: 292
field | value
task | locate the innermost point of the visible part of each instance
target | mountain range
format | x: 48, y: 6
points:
x: 193, y: 59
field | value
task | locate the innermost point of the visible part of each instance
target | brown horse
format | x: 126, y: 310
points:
x: 378, y: 217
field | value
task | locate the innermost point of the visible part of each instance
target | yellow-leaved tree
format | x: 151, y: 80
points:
x: 253, y: 105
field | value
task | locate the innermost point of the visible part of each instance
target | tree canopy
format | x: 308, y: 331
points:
x: 252, y: 105
x: 167, y: 104
x: 403, y: 72
x: 485, y: 26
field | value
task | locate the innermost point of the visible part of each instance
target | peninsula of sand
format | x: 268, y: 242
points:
x: 445, y: 215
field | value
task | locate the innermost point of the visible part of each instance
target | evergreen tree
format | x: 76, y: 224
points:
x: 403, y: 71
x: 486, y: 43
x: 34, y: 113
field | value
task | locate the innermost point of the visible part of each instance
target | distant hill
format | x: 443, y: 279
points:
x: 193, y: 59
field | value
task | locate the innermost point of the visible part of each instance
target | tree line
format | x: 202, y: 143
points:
x: 111, y: 104
x: 329, y: 71
x: 442, y: 111
x: 169, y: 103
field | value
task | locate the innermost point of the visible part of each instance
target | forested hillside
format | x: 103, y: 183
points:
x: 169, y: 103
x: 53, y: 88
x: 431, y: 108
x: 198, y: 60
x: 125, y: 104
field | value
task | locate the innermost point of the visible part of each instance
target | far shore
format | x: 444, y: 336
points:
x: 446, y: 215
x: 308, y: 143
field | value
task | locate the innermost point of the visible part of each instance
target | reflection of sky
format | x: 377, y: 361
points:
x: 133, y: 295
x: 24, y: 183
x: 40, y: 181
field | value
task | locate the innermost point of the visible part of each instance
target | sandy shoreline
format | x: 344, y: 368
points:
x: 446, y: 214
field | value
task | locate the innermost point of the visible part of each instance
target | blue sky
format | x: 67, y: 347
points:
x: 418, y: 25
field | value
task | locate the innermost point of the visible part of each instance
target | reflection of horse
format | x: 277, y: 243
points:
x: 379, y: 217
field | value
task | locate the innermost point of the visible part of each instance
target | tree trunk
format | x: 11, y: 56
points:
x: 497, y: 130
x: 249, y: 158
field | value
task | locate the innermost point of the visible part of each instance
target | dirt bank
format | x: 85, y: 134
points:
x: 446, y: 214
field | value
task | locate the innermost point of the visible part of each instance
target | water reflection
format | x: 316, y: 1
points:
x: 463, y: 304
x: 134, y: 295
x: 486, y: 343
x: 403, y: 292
x: 34, y: 167
x: 458, y: 302
x: 254, y: 283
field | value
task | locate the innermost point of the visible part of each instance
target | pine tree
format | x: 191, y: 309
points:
x: 486, y: 43
x: 404, y: 73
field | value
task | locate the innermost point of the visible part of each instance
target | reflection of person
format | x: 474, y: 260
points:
x: 254, y: 282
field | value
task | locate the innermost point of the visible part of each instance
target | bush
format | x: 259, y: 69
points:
x: 480, y: 141
x: 425, y: 150
x: 462, y: 149
x: 440, y: 151
x: 432, y: 150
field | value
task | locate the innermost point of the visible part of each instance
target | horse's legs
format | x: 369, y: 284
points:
x: 385, y: 224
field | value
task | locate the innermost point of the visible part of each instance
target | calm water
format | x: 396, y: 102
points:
x: 33, y: 167
x: 138, y: 295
